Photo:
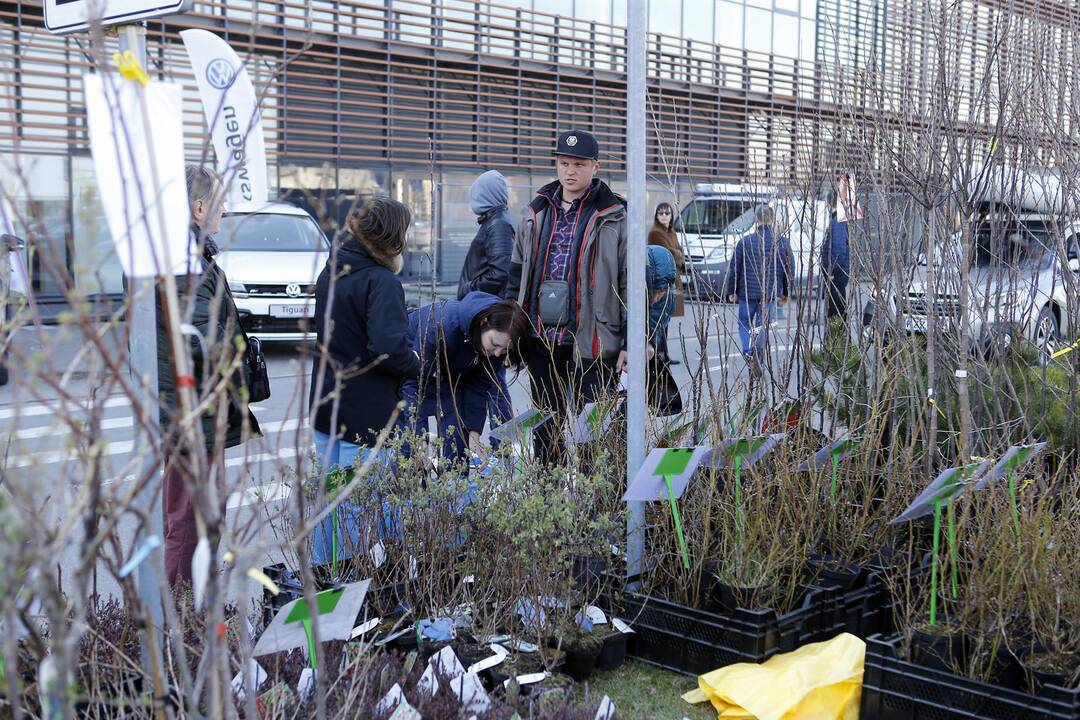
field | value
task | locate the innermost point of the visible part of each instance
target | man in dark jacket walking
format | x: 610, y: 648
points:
x: 758, y: 279
x: 487, y: 268
x: 217, y: 321
x: 836, y: 262
x: 568, y: 271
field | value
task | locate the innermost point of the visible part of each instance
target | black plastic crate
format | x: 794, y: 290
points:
x: 694, y: 641
x: 896, y: 689
x: 866, y: 610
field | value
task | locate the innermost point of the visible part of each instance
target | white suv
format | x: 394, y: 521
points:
x: 273, y: 254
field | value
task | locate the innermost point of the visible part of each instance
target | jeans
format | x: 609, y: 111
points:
x: 342, y: 528
x: 755, y: 313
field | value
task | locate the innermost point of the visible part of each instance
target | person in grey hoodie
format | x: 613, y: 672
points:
x: 487, y: 268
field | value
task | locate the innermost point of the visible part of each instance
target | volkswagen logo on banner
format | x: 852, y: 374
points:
x: 292, y: 290
x: 220, y: 74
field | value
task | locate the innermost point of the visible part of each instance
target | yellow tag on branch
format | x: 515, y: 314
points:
x: 129, y: 67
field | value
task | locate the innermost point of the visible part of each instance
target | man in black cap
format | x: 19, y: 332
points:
x: 568, y: 270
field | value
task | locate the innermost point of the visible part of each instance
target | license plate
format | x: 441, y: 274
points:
x: 292, y: 311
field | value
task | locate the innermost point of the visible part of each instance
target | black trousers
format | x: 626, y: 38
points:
x: 561, y: 385
x: 836, y: 282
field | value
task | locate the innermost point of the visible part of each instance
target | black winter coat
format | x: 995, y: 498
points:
x: 368, y: 347
x: 487, y: 266
x: 218, y: 322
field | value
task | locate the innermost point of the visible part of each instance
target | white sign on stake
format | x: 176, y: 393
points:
x: 127, y: 157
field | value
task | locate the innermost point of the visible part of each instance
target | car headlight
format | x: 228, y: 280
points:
x: 238, y: 288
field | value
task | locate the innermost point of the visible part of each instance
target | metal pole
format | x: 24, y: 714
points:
x: 635, y: 274
x: 143, y: 353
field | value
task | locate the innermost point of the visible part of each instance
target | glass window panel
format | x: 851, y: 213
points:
x: 37, y: 186
x: 698, y: 19
x: 665, y: 17
x: 618, y: 12
x: 806, y: 40
x: 786, y: 33
x: 791, y: 6
x: 758, y: 29
x: 729, y: 24
x: 414, y: 188
x: 809, y: 9
x: 95, y: 263
x: 598, y: 10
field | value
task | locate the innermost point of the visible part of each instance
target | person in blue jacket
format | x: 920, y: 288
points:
x: 461, y: 344
x: 759, y: 277
x: 836, y: 262
x: 660, y: 278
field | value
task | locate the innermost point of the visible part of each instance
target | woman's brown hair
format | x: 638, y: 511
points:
x: 381, y: 222
x: 508, y: 317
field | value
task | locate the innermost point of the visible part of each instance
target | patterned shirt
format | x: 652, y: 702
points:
x: 559, y: 255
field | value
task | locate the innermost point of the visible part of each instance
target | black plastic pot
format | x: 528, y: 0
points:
x: 829, y: 572
x: 580, y: 661
x: 1038, y: 677
x: 613, y: 653
x: 943, y: 650
x: 729, y: 598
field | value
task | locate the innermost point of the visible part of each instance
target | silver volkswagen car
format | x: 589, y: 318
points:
x: 273, y: 254
x: 1022, y: 267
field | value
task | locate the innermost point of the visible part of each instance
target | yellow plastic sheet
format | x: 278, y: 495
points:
x: 820, y: 681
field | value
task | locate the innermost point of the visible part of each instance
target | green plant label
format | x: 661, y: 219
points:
x: 674, y: 462
x: 325, y: 603
x: 532, y: 421
x: 743, y: 447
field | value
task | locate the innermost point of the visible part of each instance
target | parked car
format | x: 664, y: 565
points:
x: 710, y: 245
x: 1018, y: 281
x: 273, y: 254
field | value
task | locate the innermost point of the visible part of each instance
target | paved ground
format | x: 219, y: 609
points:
x: 40, y: 456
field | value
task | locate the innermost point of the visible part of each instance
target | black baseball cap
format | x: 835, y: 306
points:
x: 578, y: 143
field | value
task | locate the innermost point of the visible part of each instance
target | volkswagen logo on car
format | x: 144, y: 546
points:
x: 292, y: 290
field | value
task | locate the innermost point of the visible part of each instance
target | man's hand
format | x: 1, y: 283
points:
x: 732, y: 298
x: 783, y: 300
x: 650, y: 351
x: 620, y: 364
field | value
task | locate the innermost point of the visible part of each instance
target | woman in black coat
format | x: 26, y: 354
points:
x: 362, y: 330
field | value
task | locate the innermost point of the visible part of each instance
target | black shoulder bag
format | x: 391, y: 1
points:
x: 256, y: 378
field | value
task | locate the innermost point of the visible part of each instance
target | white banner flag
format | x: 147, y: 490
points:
x: 232, y: 112
x: 128, y: 156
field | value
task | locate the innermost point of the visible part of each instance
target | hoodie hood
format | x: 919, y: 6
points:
x: 488, y: 192
x: 470, y: 306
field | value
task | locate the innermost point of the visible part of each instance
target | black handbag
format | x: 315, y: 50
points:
x: 257, y: 378
x: 663, y: 392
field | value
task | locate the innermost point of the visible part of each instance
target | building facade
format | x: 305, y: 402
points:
x: 415, y: 98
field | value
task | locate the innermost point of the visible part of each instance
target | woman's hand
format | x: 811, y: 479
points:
x: 476, y: 446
